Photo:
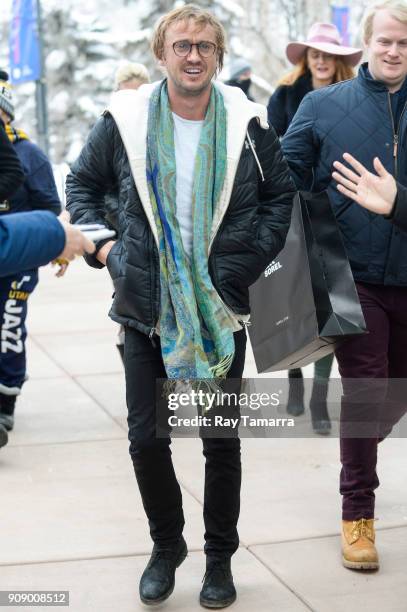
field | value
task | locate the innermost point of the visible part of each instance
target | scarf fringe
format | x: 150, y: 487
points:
x: 222, y: 368
x: 219, y: 370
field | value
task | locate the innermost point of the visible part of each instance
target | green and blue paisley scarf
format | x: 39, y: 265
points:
x: 196, y: 330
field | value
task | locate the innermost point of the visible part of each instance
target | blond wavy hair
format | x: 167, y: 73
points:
x: 396, y: 8
x: 129, y: 71
x: 343, y: 71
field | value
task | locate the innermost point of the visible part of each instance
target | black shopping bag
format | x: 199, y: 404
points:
x: 305, y: 302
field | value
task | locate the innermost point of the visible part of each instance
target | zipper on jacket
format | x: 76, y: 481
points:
x: 395, y: 134
x: 153, y: 332
x: 155, y: 316
x: 227, y: 206
x: 255, y: 155
x: 395, y: 144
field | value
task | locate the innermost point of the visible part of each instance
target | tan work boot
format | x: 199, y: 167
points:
x: 358, y: 549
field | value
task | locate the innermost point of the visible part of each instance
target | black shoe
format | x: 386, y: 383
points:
x: 218, y: 590
x: 321, y: 423
x: 3, y: 436
x: 7, y: 405
x: 295, y: 402
x: 158, y: 579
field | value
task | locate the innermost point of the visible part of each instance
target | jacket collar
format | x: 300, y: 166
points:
x: 129, y: 109
x: 366, y: 80
x: 240, y: 111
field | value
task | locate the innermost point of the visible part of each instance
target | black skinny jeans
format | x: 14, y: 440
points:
x: 151, y: 456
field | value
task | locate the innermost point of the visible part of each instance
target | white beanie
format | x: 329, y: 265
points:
x: 238, y: 67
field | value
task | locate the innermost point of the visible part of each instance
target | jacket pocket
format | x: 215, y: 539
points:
x: 113, y: 261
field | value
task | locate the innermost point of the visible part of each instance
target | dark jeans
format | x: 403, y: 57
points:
x: 380, y: 355
x: 151, y: 456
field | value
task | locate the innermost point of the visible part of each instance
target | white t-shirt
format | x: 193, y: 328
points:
x: 186, y: 139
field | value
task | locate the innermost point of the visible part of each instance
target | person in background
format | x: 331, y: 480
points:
x: 240, y: 72
x: 37, y: 192
x: 11, y: 177
x: 130, y: 75
x: 33, y: 239
x: 319, y: 61
x: 367, y: 118
x: 11, y: 171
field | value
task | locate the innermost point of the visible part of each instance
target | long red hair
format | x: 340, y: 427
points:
x: 343, y: 71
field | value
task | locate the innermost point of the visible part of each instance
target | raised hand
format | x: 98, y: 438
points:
x: 376, y: 192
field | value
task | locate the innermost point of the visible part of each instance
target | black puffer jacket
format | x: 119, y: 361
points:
x: 250, y: 235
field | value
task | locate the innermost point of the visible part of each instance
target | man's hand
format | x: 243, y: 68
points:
x: 377, y: 193
x: 76, y: 242
x: 104, y: 252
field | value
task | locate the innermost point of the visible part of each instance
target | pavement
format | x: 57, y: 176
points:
x: 72, y: 518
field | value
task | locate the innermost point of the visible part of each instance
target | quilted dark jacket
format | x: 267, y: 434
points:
x: 38, y: 190
x: 252, y: 232
x: 355, y: 117
x: 399, y: 216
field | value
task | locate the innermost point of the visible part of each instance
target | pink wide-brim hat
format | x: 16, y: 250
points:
x: 326, y: 38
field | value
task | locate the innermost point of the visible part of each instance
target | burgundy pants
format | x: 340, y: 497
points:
x: 377, y: 357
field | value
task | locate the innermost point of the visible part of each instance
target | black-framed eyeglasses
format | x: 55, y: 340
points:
x: 182, y: 48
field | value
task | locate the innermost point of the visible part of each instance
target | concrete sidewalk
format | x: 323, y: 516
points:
x: 70, y: 510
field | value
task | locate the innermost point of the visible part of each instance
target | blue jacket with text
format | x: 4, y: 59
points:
x: 29, y: 240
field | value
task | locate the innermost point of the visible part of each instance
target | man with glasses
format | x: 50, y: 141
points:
x: 205, y: 202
